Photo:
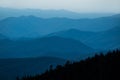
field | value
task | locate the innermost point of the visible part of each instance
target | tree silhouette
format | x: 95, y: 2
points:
x: 99, y: 67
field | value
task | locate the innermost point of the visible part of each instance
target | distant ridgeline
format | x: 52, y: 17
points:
x: 99, y: 67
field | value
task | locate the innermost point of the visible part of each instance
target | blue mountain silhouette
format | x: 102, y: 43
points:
x: 109, y: 38
x: 31, y: 26
x: 46, y: 46
x: 8, y: 12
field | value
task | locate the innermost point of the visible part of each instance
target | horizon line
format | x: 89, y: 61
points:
x: 79, y: 12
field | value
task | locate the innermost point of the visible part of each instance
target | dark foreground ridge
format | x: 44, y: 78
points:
x: 99, y: 67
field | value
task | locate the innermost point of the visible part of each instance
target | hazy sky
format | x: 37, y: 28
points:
x: 73, y: 5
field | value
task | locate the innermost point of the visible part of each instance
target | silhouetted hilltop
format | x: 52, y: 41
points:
x: 99, y: 67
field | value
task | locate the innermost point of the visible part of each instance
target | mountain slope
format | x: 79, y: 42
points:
x: 47, y: 46
x: 11, y: 68
x: 31, y: 26
x: 99, y: 67
x: 108, y: 39
x: 74, y: 34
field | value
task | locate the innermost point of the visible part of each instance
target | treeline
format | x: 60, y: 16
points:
x: 99, y: 67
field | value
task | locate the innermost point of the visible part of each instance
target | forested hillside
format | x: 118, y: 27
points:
x: 99, y: 67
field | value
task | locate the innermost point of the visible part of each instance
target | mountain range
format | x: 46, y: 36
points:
x: 9, y: 12
x: 31, y: 26
x: 62, y: 44
x: 47, y: 46
x: 51, y: 39
x: 60, y: 37
x: 109, y: 39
